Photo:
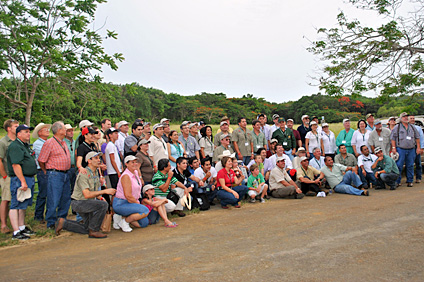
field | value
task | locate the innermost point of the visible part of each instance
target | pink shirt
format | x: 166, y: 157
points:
x: 135, y: 184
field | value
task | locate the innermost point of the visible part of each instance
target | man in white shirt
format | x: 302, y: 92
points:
x: 207, y: 173
x: 275, y: 126
x: 123, y: 133
x: 288, y: 163
x: 113, y: 159
x: 157, y: 147
x: 365, y: 161
x: 317, y: 161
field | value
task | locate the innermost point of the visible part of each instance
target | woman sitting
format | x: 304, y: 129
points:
x: 230, y: 192
x: 156, y: 206
x: 126, y: 203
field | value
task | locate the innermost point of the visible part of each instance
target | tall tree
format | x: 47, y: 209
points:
x: 387, y: 58
x: 43, y: 39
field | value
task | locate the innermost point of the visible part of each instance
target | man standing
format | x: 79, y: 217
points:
x: 83, y: 124
x: 224, y: 146
x: 130, y: 143
x: 345, y: 136
x: 370, y: 122
x: 286, y: 138
x: 243, y: 142
x: 113, y: 160
x: 71, y: 143
x: 157, y: 147
x: 55, y: 161
x: 223, y: 126
x: 380, y: 137
x: 21, y: 170
x: 88, y: 201
x: 345, y: 158
x: 166, y: 129
x: 295, y: 133
x: 342, y: 183
x: 105, y: 125
x: 227, y: 120
x: 418, y: 166
x: 42, y: 132
x: 280, y: 183
x: 190, y: 144
x: 123, y: 133
x: 264, y: 127
x: 365, y: 161
x: 275, y: 126
x: 304, y: 128
x: 194, y: 130
x: 385, y: 170
x: 405, y: 138
x: 259, y: 140
x: 9, y: 126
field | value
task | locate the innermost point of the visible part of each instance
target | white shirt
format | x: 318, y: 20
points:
x: 329, y: 142
x: 359, y: 139
x: 367, y: 162
x: 273, y: 161
x: 314, y: 141
x: 158, y: 149
x: 318, y: 164
x: 121, y: 141
x: 111, y: 148
x: 199, y: 173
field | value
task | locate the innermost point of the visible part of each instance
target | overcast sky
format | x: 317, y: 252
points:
x: 230, y: 46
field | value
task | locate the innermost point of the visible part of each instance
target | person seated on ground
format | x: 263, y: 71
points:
x: 206, y: 142
x: 164, y: 180
x: 183, y: 175
x: 156, y: 206
x: 207, y: 173
x: 256, y: 184
x: 126, y: 203
x: 266, y: 162
x: 225, y: 146
x: 288, y: 162
x: 87, y: 201
x: 271, y: 150
x: 310, y: 178
x: 257, y: 159
x: 281, y: 185
x: 240, y: 169
x: 345, y: 158
x: 317, y: 161
x: 230, y: 192
x: 146, y: 164
x: 385, y: 170
x: 301, y: 152
x: 342, y: 183
x: 365, y: 161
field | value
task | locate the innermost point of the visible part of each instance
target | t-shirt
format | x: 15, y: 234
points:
x: 90, y: 181
x: 243, y: 138
x: 382, y: 140
x: 146, y: 166
x: 229, y: 178
x: 350, y: 160
x: 129, y: 142
x: 199, y: 173
x: 4, y: 144
x: 182, y: 177
x: 367, y: 161
x: 253, y: 182
x: 359, y: 139
x: 112, y: 149
x: 207, y: 146
x: 20, y: 153
x: 83, y: 150
x: 159, y: 179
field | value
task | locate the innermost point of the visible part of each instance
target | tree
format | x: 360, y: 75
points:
x: 41, y: 40
x: 387, y: 59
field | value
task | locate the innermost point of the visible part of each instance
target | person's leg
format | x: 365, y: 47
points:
x: 351, y: 178
x: 154, y: 216
x: 15, y: 183
x: 283, y: 192
x: 114, y: 179
x: 304, y: 187
x: 96, y: 211
x: 75, y: 226
x: 246, y: 160
x: 362, y: 176
x: 389, y: 179
x: 264, y: 190
x: 5, y: 200
x: 226, y: 198
x: 132, y: 211
x: 180, y: 193
x: 400, y: 162
x: 418, y: 167
x: 65, y: 197
x: 72, y: 178
x: 409, y: 164
x: 42, y: 196
x: 347, y: 189
x: 53, y: 197
x: 241, y: 190
x: 289, y: 154
x: 371, y: 178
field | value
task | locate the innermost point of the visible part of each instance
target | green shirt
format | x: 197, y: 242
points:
x: 345, y: 138
x: 243, y: 140
x: 71, y: 147
x: 259, y: 141
x: 253, y: 182
x: 335, y: 176
x: 90, y: 181
x: 285, y: 138
x: 387, y: 164
x: 4, y: 144
x: 159, y: 179
x: 20, y: 153
x: 350, y: 160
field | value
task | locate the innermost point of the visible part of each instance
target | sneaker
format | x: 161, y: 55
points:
x: 125, y: 226
x: 310, y: 194
x: 27, y: 231
x: 267, y: 197
x: 116, y: 220
x: 399, y: 184
x: 20, y: 236
x: 418, y: 181
x: 409, y: 184
x: 262, y: 200
x: 299, y: 196
x: 252, y: 200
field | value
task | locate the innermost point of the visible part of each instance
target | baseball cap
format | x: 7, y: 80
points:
x: 304, y: 116
x: 281, y: 119
x: 281, y: 159
x: 111, y: 130
x: 273, y: 140
x: 129, y: 158
x: 185, y: 122
x: 404, y: 114
x: 345, y: 120
x: 290, y: 120
x: 85, y: 122
x: 275, y: 116
x: 143, y: 141
x: 192, y: 124
x: 202, y: 122
x: 313, y: 122
x: 377, y: 149
x: 88, y: 130
x: 377, y: 121
x: 224, y: 136
x: 324, y: 124
x: 148, y: 187
x: 121, y: 123
x: 223, y: 122
x: 164, y: 120
x: 369, y: 115
x: 68, y: 126
x: 303, y: 158
x: 23, y: 127
x: 92, y: 154
x: 157, y: 125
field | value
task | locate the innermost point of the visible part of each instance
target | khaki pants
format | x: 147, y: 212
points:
x: 5, y: 189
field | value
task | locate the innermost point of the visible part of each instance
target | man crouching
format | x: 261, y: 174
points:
x: 88, y: 201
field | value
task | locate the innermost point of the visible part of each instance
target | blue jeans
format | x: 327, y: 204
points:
x: 370, y: 178
x: 72, y: 178
x: 388, y: 178
x: 42, y: 195
x: 407, y: 157
x: 289, y: 154
x: 15, y: 184
x: 58, y: 196
x: 124, y: 208
x: 228, y: 198
x: 153, y: 217
x: 246, y: 160
x: 345, y: 187
x: 418, y: 167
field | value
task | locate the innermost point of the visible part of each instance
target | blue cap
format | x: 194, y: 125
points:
x: 23, y: 127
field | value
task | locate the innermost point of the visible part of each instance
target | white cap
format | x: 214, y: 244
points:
x: 68, y: 126
x: 129, y: 158
x: 121, y: 123
x: 304, y: 116
x: 324, y: 124
x: 303, y: 158
x: 85, y: 122
x: 223, y: 122
x: 345, y: 120
x: 290, y: 119
x: 313, y: 122
x: 92, y: 154
x: 163, y: 120
x: 157, y: 125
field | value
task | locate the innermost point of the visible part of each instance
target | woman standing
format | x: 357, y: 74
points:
x: 175, y: 149
x: 206, y: 142
x: 146, y: 163
x: 391, y: 123
x: 313, y: 140
x: 328, y: 140
x: 360, y: 137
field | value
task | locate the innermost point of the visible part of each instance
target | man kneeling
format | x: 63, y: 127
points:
x: 88, y: 201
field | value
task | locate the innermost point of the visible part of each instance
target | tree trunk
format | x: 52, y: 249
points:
x: 29, y: 106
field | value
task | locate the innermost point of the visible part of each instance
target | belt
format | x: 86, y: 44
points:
x: 63, y: 171
x: 72, y: 166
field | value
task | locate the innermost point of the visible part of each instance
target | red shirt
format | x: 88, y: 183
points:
x: 55, y: 154
x: 228, y: 178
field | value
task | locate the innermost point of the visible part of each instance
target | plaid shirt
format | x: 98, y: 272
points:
x: 55, y: 154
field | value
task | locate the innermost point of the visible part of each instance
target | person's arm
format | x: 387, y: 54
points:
x: 170, y: 157
x: 226, y: 188
x: 18, y: 172
x: 79, y: 166
x: 164, y: 187
x: 127, y: 186
x: 307, y: 146
x: 322, y: 148
x: 182, y: 186
x: 372, y: 149
x: 42, y: 167
x: 113, y: 163
x: 202, y: 152
x: 236, y: 148
x: 94, y: 194
x: 393, y: 146
x: 2, y: 169
x: 417, y: 141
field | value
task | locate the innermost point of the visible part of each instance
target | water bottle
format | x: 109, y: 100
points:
x: 330, y: 191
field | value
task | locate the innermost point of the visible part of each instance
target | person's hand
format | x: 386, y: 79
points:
x: 357, y: 154
x: 109, y: 191
x: 213, y: 187
x: 364, y: 172
x: 102, y: 181
x: 308, y: 155
x: 24, y: 187
x: 294, y: 152
x: 394, y: 150
x: 170, y: 174
x: 418, y: 151
x: 201, y: 183
x: 240, y: 156
x: 208, y: 174
x: 236, y: 195
x: 186, y: 192
x: 376, y: 174
x: 103, y: 167
x: 82, y: 170
x: 298, y: 190
x: 258, y: 190
x: 380, y: 158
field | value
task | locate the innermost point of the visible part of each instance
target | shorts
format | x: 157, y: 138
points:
x: 5, y: 189
x: 254, y: 193
x: 15, y: 184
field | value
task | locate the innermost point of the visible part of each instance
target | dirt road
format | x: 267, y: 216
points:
x: 338, y: 238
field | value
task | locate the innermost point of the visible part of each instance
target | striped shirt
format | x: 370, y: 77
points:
x: 55, y: 154
x: 159, y: 179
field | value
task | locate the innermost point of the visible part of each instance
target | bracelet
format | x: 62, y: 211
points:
x: 4, y: 177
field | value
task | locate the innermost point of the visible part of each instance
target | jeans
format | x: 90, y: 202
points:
x: 418, y: 167
x: 92, y: 213
x: 72, y: 178
x: 42, y: 195
x: 370, y: 178
x: 153, y: 217
x: 345, y: 187
x: 387, y: 178
x: 228, y: 198
x: 124, y: 208
x: 407, y: 157
x: 58, y: 196
x: 246, y: 160
x: 15, y: 184
x: 289, y: 154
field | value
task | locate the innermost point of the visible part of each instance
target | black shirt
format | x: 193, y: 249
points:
x: 83, y: 150
x: 183, y: 178
x: 302, y: 131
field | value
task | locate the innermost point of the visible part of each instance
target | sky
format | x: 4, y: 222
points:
x: 236, y: 47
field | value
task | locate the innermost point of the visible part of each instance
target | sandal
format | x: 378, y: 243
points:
x: 171, y: 225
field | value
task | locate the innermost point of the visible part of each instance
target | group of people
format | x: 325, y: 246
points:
x: 141, y: 176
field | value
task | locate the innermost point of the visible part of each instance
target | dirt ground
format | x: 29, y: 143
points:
x: 337, y: 238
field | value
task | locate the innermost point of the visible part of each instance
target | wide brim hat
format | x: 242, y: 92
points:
x: 227, y: 153
x: 39, y: 127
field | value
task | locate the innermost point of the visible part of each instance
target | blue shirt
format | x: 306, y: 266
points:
x: 36, y: 147
x: 71, y: 147
x: 420, y: 132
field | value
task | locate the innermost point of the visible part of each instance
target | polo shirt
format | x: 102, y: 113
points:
x: 243, y: 140
x: 404, y: 137
x: 350, y: 160
x: 310, y: 172
x: 285, y: 138
x: 4, y: 144
x: 367, y: 161
x: 277, y: 175
x: 90, y: 181
x: 129, y: 142
x: 71, y: 147
x: 159, y: 179
x: 259, y: 141
x: 302, y: 131
x: 83, y: 150
x: 387, y: 164
x: 207, y: 146
x: 345, y: 138
x: 296, y: 136
x: 382, y: 140
x: 36, y: 146
x: 165, y: 138
x: 146, y: 166
x: 218, y: 151
x: 157, y: 149
x: 335, y: 176
x: 190, y: 144
x: 20, y: 153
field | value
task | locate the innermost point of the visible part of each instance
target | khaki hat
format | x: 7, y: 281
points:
x: 192, y: 124
x: 157, y: 125
x: 22, y: 195
x: 121, y: 123
x: 225, y: 135
x: 129, y: 158
x: 303, y: 158
x: 227, y: 153
x: 68, y: 126
x: 301, y: 149
x: 369, y: 115
x: 273, y: 140
x: 280, y: 159
x: 313, y: 122
x: 164, y: 120
x: 377, y: 121
x: 324, y: 124
x: 38, y: 128
x: 223, y: 122
x: 345, y: 120
x: 143, y: 141
x: 92, y: 154
x: 404, y: 114
x: 148, y: 187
